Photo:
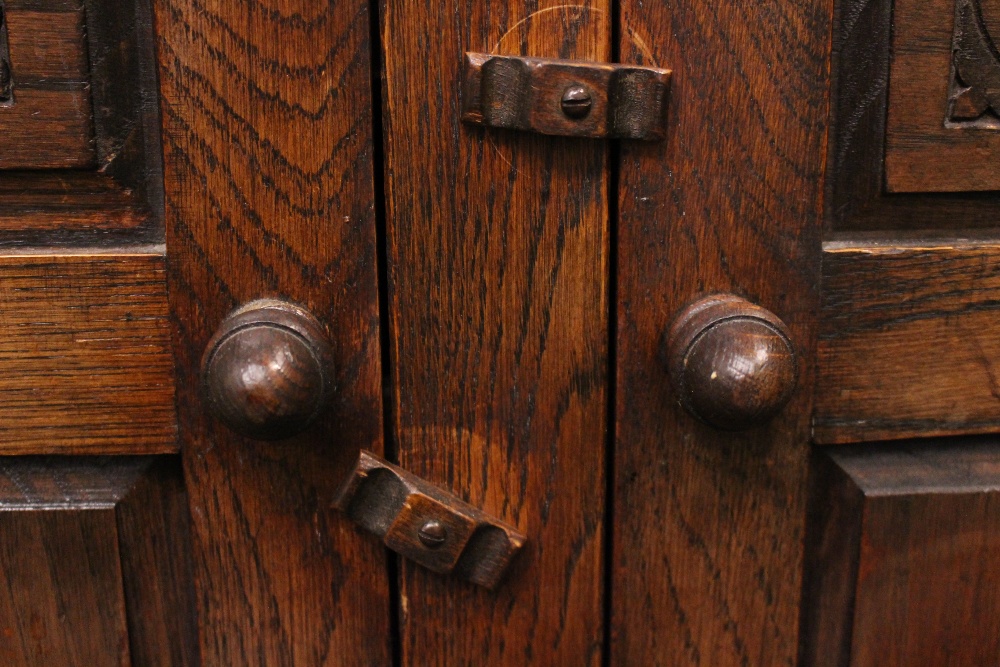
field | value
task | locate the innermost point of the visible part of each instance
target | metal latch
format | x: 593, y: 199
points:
x: 566, y: 97
x: 426, y: 524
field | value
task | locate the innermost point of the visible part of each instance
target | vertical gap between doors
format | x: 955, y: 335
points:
x: 614, y: 160
x: 382, y: 260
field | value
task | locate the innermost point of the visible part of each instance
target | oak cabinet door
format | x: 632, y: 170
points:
x: 734, y: 384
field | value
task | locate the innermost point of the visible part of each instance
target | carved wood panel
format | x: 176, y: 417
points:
x: 944, y: 89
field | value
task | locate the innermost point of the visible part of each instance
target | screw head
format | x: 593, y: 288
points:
x: 432, y: 534
x: 576, y: 101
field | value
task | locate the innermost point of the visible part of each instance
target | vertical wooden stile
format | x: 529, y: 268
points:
x: 708, y: 541
x: 269, y: 193
x: 497, y: 283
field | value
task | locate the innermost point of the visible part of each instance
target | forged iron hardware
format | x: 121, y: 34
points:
x: 566, y: 97
x: 267, y: 372
x: 731, y: 363
x: 426, y: 524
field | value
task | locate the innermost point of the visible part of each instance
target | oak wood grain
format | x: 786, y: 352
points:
x: 912, y: 537
x: 85, y: 362
x: 856, y: 198
x: 906, y: 346
x: 498, y: 301
x: 923, y: 153
x: 49, y: 124
x: 61, y: 601
x: 708, y: 526
x: 78, y: 532
x: 269, y: 193
x: 36, y: 203
x: 155, y: 551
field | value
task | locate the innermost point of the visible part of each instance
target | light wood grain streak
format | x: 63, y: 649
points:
x: 85, y: 364
x: 914, y: 356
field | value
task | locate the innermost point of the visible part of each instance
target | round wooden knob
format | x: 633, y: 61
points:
x: 731, y: 362
x: 267, y: 371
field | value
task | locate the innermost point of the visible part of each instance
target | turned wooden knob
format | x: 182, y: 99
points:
x: 267, y: 371
x: 731, y: 362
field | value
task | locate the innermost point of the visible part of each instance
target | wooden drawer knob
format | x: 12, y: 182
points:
x: 267, y: 371
x: 731, y: 362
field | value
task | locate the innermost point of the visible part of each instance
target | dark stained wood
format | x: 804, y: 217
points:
x: 428, y: 525
x: 498, y: 300
x: 731, y: 363
x: 85, y: 362
x: 922, y: 152
x: 123, y: 202
x: 906, y: 347
x: 709, y: 525
x: 155, y: 550
x: 902, y: 556
x: 92, y: 562
x: 49, y: 123
x: 269, y: 193
x: 565, y: 97
x: 35, y: 203
x: 61, y: 597
x: 126, y: 110
x: 857, y: 199
x: 268, y: 370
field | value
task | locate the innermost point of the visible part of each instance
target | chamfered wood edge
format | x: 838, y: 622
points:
x: 848, y: 484
x: 833, y: 541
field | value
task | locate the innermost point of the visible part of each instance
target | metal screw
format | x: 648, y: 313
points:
x: 432, y: 534
x: 576, y: 101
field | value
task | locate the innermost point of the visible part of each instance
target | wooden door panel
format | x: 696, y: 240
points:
x: 94, y: 565
x: 48, y: 114
x: 905, y: 538
x: 708, y: 525
x: 269, y: 193
x: 498, y: 306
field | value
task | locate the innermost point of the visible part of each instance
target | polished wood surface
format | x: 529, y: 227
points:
x: 903, y: 544
x: 268, y: 370
x: 498, y: 301
x: 269, y: 193
x: 906, y: 347
x: 49, y: 124
x: 857, y: 202
x: 57, y: 203
x: 925, y: 149
x: 85, y: 361
x: 708, y: 525
x: 93, y: 562
x: 731, y: 363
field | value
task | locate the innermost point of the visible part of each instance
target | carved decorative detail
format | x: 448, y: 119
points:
x: 6, y: 76
x: 975, y: 91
